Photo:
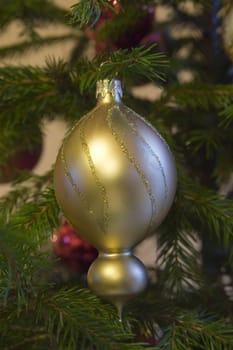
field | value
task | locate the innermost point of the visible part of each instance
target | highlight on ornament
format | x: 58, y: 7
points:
x: 115, y: 181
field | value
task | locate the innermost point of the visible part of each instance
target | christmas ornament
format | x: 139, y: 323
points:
x: 115, y: 180
x: 75, y: 252
x: 137, y: 30
x: 92, y: 31
x: 25, y: 157
x: 135, y: 33
x: 227, y: 29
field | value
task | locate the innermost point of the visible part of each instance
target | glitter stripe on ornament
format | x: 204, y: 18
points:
x: 134, y: 162
x: 99, y: 184
x: 73, y: 184
x: 67, y: 172
x: 80, y: 121
x: 133, y: 128
x: 150, y: 126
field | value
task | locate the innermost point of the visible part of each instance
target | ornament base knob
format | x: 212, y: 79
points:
x: 117, y: 277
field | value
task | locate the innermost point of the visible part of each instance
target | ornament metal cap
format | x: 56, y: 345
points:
x: 108, y: 90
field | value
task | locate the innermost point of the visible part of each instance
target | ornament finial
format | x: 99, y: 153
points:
x: 109, y: 89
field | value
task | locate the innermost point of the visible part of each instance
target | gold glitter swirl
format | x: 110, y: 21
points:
x: 133, y: 128
x: 99, y: 184
x: 67, y: 172
x: 72, y: 182
x: 80, y: 121
x: 134, y: 162
x: 150, y: 126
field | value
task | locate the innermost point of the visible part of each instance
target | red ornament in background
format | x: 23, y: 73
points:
x: 135, y: 34
x: 19, y: 160
x: 23, y: 157
x: 76, y: 253
x: 137, y: 31
x: 101, y: 44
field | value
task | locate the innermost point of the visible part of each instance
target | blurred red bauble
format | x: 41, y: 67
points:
x: 23, y: 158
x: 76, y: 253
x: 137, y: 30
x: 132, y: 36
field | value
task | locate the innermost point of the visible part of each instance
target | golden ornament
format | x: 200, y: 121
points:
x: 115, y: 180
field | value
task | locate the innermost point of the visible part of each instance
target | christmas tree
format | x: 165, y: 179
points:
x: 186, y: 55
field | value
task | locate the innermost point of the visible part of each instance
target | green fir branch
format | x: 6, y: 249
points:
x: 20, y: 85
x: 38, y: 42
x: 199, y: 96
x: 88, y: 12
x: 178, y: 257
x: 21, y: 261
x: 196, y: 212
x: 39, y: 92
x: 58, y: 89
x: 23, y: 193
x: 77, y: 318
x: 41, y: 216
x: 191, y: 331
x: 125, y: 64
x: 31, y: 13
x: 210, y: 143
x: 208, y: 213
x: 227, y: 117
x: 69, y: 319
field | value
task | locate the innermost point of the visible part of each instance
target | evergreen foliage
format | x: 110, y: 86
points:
x: 38, y: 309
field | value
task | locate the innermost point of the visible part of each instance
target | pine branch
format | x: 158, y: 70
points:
x: 88, y: 12
x: 86, y: 321
x: 31, y: 13
x: 178, y: 257
x: 27, y: 45
x: 70, y: 319
x: 199, y: 96
x: 227, y: 117
x: 210, y: 142
x: 59, y: 89
x: 207, y: 212
x: 21, y: 262
x: 28, y: 230
x: 23, y: 193
x: 22, y: 84
x: 19, y: 329
x: 190, y: 195
x: 140, y: 62
x: 40, y: 216
x: 196, y: 212
x: 39, y: 92
x: 189, y: 331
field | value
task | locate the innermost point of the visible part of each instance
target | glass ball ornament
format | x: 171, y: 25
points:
x: 75, y: 252
x: 115, y: 181
x: 137, y: 30
x: 23, y: 157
